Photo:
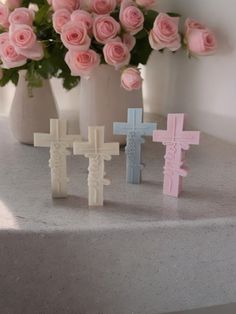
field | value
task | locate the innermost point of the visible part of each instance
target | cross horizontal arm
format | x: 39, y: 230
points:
x: 86, y: 148
x: 121, y: 128
x: 111, y: 148
x: 69, y: 140
x: 161, y: 136
x: 42, y: 140
x: 186, y: 137
x: 191, y: 137
x: 147, y: 128
x: 82, y: 148
x: 144, y: 129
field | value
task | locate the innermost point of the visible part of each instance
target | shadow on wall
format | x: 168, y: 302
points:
x: 226, y: 129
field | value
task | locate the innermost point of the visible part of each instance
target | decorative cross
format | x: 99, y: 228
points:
x: 59, y: 142
x: 177, y: 142
x: 134, y: 130
x: 97, y: 151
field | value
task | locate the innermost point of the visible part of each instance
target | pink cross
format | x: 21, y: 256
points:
x: 177, y: 142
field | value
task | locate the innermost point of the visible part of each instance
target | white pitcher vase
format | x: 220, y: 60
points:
x: 31, y: 114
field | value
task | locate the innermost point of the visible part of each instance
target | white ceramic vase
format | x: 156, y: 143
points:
x: 103, y: 101
x: 31, y: 114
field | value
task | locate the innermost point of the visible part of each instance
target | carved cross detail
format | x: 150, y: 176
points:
x: 97, y: 151
x: 134, y: 129
x: 177, y: 141
x: 59, y: 141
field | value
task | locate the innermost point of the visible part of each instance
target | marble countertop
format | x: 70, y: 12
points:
x: 142, y: 253
x: 26, y: 203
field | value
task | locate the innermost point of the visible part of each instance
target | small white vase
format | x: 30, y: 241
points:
x: 31, y: 114
x: 103, y: 101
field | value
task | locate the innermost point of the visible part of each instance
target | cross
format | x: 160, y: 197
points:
x: 134, y: 130
x: 97, y: 151
x: 177, y: 142
x: 59, y: 142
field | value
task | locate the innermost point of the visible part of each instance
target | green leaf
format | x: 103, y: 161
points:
x: 143, y: 33
x: 9, y: 75
x: 115, y: 14
x: 172, y: 14
x: 70, y: 82
x: 150, y: 17
x: 2, y: 30
x: 41, y: 15
x: 15, y: 78
x: 40, y: 3
x: 33, y: 78
x: 25, y: 3
x: 141, y: 52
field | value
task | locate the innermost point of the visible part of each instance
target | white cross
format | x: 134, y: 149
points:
x: 58, y: 141
x: 97, y: 151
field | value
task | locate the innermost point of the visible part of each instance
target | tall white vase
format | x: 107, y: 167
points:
x: 103, y: 101
x: 31, y: 114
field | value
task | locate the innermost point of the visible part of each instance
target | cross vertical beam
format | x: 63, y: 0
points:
x: 134, y: 129
x: 59, y: 142
x: 177, y: 141
x: 97, y: 151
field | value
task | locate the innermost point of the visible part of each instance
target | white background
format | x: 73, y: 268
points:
x: 204, y: 88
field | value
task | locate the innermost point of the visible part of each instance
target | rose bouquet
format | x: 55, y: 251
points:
x: 68, y: 39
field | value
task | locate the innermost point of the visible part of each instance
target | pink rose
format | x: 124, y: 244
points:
x: 102, y: 6
x: 60, y: 18
x: 22, y: 36
x: 75, y: 37
x: 4, y: 14
x: 201, y: 42
x: 165, y: 33
x: 25, y: 42
x: 10, y: 58
x: 4, y: 37
x: 131, y: 17
x: 191, y: 24
x: 82, y: 63
x: 116, y: 54
x: 146, y: 3
x: 129, y: 41
x: 84, y: 17
x: 70, y: 5
x: 12, y: 4
x: 22, y: 16
x: 131, y: 79
x: 105, y: 28
x: 115, y: 39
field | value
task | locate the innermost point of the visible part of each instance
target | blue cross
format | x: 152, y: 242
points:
x: 135, y: 129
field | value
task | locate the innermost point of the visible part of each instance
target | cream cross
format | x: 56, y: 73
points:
x: 97, y: 151
x: 59, y: 141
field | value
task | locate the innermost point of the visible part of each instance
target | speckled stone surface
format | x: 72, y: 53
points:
x: 220, y: 309
x: 143, y: 253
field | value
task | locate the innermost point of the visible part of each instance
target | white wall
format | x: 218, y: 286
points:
x: 204, y: 88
